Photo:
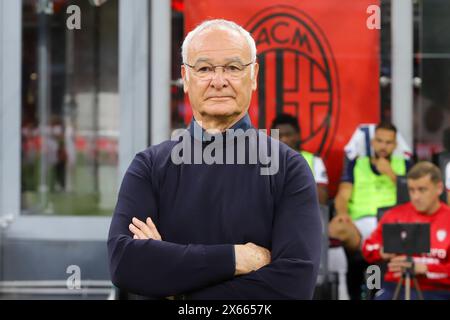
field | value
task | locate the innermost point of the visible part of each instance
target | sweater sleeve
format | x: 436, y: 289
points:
x: 439, y: 272
x: 295, y: 251
x: 158, y: 268
x: 371, y: 248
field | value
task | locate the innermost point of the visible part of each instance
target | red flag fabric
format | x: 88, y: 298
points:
x: 318, y: 61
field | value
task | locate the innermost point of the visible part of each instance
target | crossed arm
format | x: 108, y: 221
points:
x: 145, y: 264
x: 249, y: 257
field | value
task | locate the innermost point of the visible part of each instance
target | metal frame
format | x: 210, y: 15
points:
x: 135, y: 74
x: 144, y: 76
x: 402, y: 68
x: 10, y: 106
x: 56, y: 288
x: 161, y: 36
x: 63, y: 228
x: 134, y: 86
x: 15, y: 224
x: 134, y: 79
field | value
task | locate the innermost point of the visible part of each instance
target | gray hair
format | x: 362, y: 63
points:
x: 218, y: 24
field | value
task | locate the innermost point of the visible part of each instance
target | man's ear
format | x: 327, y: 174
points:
x: 184, y: 76
x: 255, y: 76
x: 440, y: 187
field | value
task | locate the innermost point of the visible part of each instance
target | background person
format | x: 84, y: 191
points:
x: 433, y: 269
x: 289, y: 133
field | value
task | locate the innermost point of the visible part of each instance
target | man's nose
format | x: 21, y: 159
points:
x: 218, y: 79
x: 414, y: 196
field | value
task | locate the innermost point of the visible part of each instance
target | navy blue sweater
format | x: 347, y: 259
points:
x: 201, y: 211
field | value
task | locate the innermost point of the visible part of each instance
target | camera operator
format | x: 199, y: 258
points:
x: 433, y: 269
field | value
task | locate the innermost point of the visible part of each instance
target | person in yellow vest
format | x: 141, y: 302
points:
x: 289, y: 133
x: 367, y: 183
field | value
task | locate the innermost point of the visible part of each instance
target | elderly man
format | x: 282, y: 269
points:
x: 216, y: 230
x: 432, y: 269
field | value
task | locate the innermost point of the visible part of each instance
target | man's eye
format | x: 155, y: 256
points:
x: 204, y: 69
x: 233, y: 68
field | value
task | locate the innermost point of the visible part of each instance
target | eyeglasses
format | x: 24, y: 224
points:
x: 206, y: 71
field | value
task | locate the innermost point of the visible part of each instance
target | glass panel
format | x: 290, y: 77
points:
x: 385, y: 56
x: 178, y: 107
x: 70, y: 108
x: 432, y: 108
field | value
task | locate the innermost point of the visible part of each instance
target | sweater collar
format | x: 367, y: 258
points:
x: 198, y: 132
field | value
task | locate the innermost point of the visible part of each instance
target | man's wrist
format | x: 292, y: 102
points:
x: 234, y: 257
x: 421, y: 269
x: 237, y: 259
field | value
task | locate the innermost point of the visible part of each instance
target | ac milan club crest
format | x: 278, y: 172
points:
x: 297, y: 74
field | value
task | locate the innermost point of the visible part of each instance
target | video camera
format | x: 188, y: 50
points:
x: 406, y: 238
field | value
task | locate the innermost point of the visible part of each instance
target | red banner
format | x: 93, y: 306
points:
x: 318, y: 61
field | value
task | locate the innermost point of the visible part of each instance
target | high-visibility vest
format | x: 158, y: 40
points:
x: 309, y: 157
x: 372, y: 191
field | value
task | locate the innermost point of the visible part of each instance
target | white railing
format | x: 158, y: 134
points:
x: 58, y: 288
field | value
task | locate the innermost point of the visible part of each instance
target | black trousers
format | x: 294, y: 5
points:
x: 356, y: 275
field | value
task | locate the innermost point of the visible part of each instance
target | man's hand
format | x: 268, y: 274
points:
x: 338, y: 227
x: 399, y: 263
x: 144, y: 231
x: 250, y: 257
x: 383, y: 166
x: 386, y: 256
x: 341, y: 227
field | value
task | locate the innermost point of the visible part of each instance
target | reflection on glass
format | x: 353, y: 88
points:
x: 432, y: 107
x: 70, y: 109
x: 177, y: 100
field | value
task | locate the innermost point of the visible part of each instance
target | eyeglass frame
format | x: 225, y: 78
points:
x: 216, y: 66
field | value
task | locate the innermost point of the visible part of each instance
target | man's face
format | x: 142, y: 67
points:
x: 384, y: 143
x: 220, y: 96
x: 424, y: 193
x: 289, y: 135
